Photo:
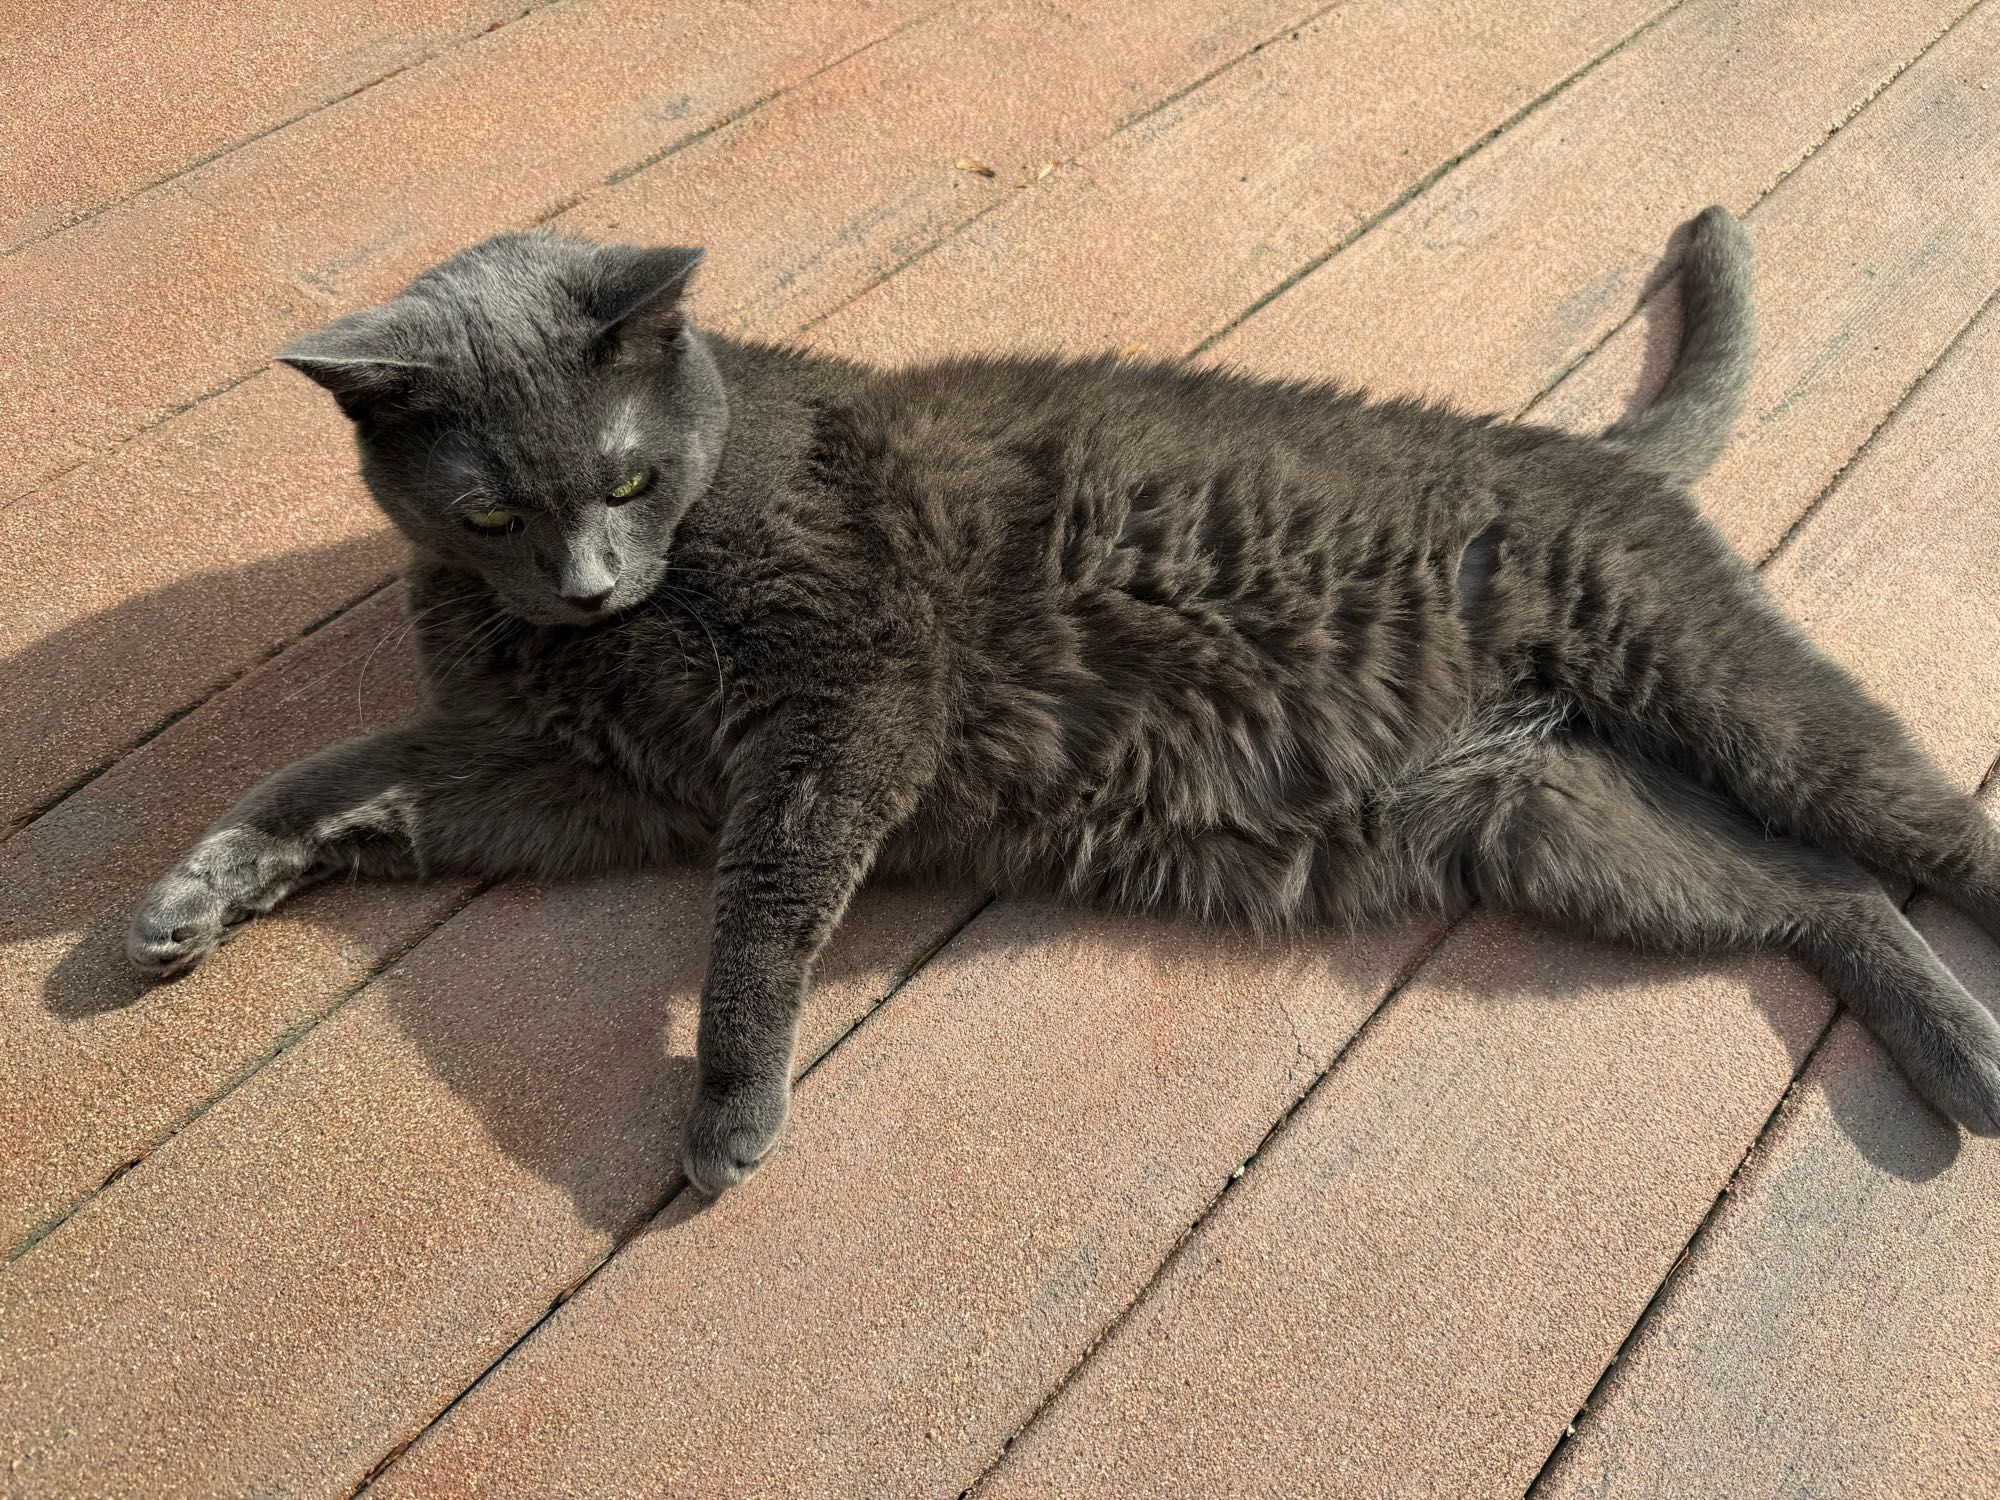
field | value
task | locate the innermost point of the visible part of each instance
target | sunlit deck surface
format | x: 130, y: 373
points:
x: 386, y: 1195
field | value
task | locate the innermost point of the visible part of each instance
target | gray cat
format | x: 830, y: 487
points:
x: 1150, y: 636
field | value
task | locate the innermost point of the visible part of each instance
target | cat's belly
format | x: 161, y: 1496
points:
x: 1349, y: 871
x: 1255, y: 848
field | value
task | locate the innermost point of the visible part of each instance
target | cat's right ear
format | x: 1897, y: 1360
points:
x: 364, y: 359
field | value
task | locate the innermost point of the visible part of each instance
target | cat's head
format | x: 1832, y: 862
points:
x: 536, y: 410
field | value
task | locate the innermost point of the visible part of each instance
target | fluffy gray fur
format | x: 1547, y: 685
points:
x: 1145, y: 635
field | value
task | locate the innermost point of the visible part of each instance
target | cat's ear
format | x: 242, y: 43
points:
x: 642, y: 286
x: 364, y: 359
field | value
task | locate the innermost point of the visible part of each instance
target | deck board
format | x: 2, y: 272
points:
x: 1859, y: 1245
x: 174, y: 295
x: 313, y: 1268
x: 126, y: 96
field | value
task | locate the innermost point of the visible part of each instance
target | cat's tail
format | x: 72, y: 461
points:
x: 1683, y: 432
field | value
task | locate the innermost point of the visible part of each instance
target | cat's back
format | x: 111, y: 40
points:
x: 1026, y: 425
x: 1055, y: 477
x: 1058, y: 482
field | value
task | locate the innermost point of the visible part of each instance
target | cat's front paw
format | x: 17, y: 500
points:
x: 197, y: 906
x: 729, y: 1132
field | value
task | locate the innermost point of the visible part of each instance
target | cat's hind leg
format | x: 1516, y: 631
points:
x: 1619, y: 850
x: 1701, y: 668
x: 436, y: 797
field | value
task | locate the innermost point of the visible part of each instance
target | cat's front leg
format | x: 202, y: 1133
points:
x: 807, y: 819
x: 284, y: 834
x: 440, y: 796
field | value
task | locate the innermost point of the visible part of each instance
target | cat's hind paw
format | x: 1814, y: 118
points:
x: 728, y: 1134
x: 1973, y: 1097
x: 1961, y: 1075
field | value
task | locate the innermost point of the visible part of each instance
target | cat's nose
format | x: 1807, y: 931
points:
x: 585, y: 581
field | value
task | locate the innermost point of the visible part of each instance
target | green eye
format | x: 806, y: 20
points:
x: 632, y: 484
x: 497, y: 519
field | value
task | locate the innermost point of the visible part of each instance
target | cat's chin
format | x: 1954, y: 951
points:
x: 561, y: 616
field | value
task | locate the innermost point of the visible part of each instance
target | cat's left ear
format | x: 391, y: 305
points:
x: 642, y: 286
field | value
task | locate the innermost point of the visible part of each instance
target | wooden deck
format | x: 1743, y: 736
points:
x: 385, y: 1195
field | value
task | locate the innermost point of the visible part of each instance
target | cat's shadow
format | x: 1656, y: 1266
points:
x: 565, y: 1065
x: 1658, y: 310
x: 1873, y: 1104
x: 562, y: 1016
x: 565, y: 1016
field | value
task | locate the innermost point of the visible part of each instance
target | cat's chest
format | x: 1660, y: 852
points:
x: 634, y: 697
